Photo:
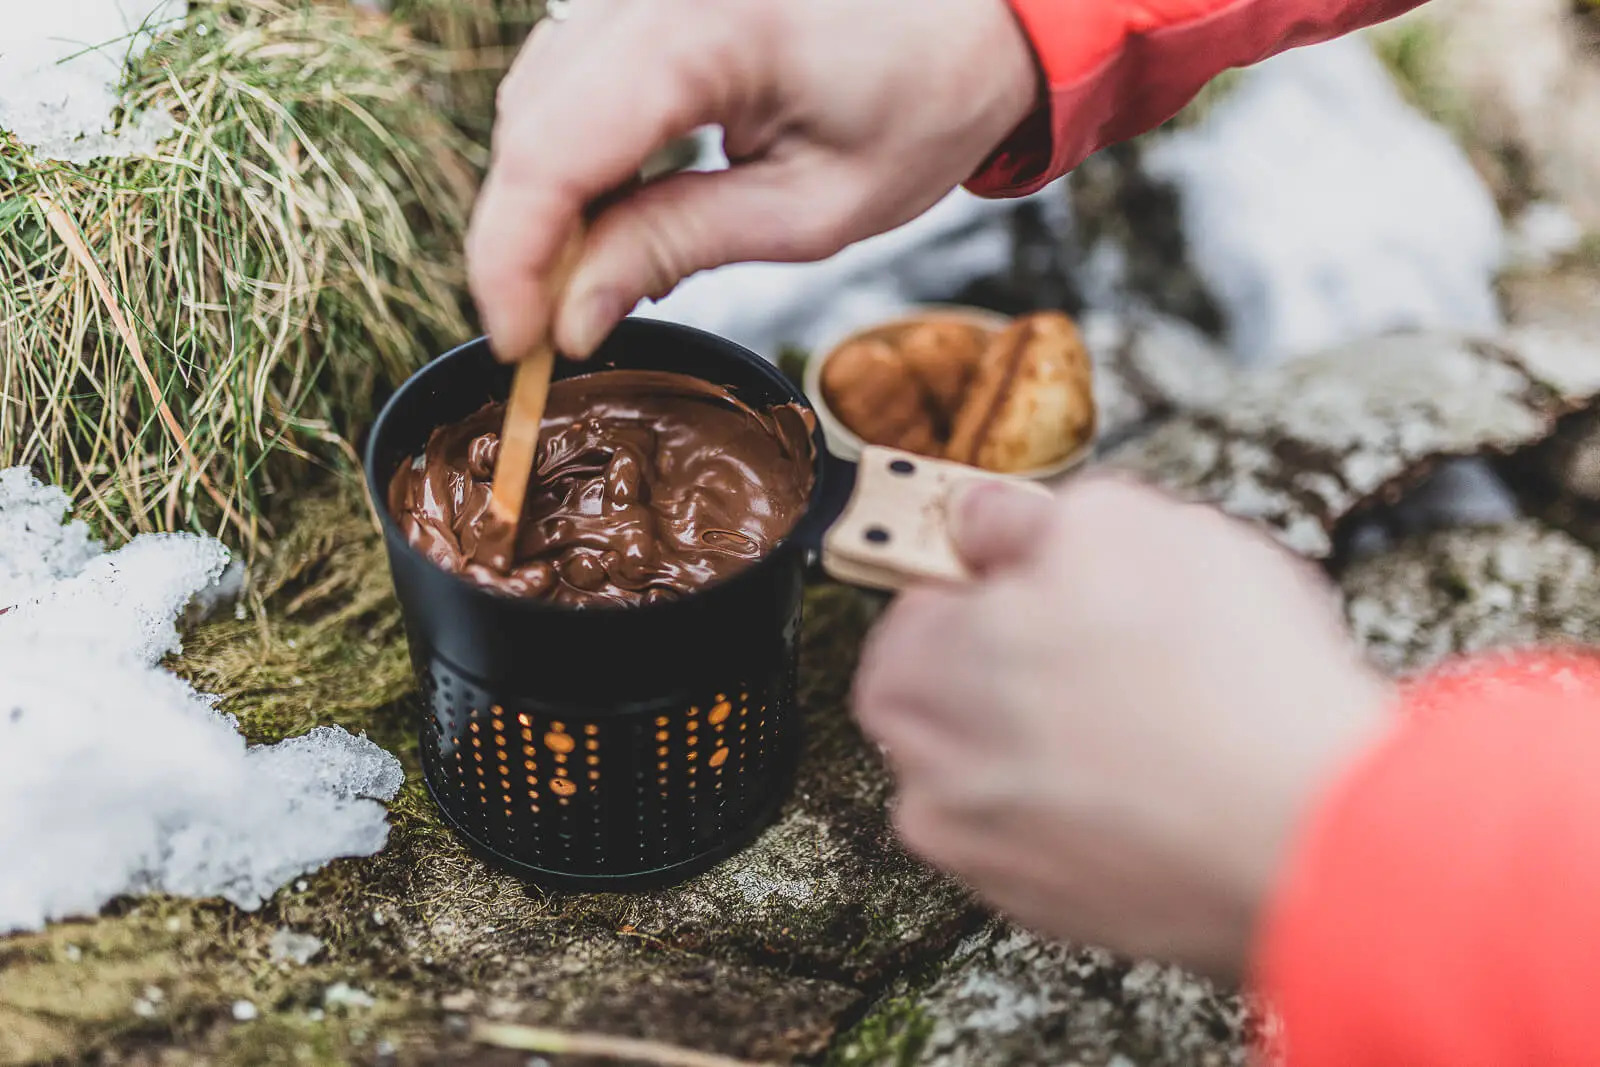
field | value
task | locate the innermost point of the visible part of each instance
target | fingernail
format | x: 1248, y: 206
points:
x: 507, y: 343
x: 593, y: 316
x: 994, y: 522
x: 970, y: 501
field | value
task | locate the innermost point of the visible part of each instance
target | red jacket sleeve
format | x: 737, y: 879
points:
x: 1113, y: 69
x: 1443, y: 903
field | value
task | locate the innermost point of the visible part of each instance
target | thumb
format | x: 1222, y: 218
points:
x: 997, y: 524
x: 648, y: 242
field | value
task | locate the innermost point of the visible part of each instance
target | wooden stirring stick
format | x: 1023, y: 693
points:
x: 530, y: 388
x: 530, y: 385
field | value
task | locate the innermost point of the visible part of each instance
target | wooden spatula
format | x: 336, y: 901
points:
x: 530, y: 388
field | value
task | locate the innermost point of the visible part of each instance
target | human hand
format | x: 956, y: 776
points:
x: 842, y: 119
x: 1112, y: 732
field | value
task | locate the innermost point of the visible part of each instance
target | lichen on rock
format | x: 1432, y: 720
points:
x: 1007, y: 996
x: 1466, y: 591
x: 1302, y: 447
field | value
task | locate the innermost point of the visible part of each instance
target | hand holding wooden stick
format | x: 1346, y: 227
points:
x: 530, y: 388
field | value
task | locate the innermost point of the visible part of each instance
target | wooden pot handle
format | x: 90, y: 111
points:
x: 895, y: 528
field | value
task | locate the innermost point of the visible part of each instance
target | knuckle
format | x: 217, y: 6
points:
x: 801, y: 237
x: 1139, y: 521
x: 662, y: 247
x: 831, y: 218
x: 1107, y: 497
x: 827, y: 233
x: 874, y: 697
x: 903, y: 637
x: 918, y: 825
x: 513, y: 166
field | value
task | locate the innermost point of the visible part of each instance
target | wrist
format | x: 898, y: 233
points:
x: 1018, y: 73
x: 1340, y: 724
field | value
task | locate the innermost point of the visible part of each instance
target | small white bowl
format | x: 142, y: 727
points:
x: 844, y: 443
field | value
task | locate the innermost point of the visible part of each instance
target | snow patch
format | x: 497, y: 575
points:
x: 1320, y: 209
x: 117, y: 777
x: 61, y: 69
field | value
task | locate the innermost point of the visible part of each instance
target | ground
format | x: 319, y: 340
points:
x: 822, y: 943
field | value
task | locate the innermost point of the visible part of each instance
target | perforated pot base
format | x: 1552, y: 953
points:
x: 660, y: 878
x: 614, y: 798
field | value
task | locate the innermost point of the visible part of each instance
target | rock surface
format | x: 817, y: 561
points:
x: 1534, y: 103
x: 1303, y: 446
x: 822, y: 942
x: 1007, y: 997
x: 1149, y: 366
x: 1466, y: 591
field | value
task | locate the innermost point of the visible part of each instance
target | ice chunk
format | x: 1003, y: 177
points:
x: 287, y: 946
x: 40, y: 546
x: 1543, y: 233
x: 118, y: 777
x: 333, y: 762
x: 345, y: 996
x: 125, y: 602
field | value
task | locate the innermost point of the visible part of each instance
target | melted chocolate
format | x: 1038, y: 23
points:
x: 646, y: 485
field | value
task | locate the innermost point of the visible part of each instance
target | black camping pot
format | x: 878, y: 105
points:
x: 603, y: 748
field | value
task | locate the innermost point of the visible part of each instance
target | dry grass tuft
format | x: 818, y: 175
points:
x: 477, y: 40
x: 173, y: 329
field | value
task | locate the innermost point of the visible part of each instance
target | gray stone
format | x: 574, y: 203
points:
x: 1129, y: 245
x: 1150, y: 366
x: 1007, y: 997
x: 1534, y: 103
x: 1466, y: 591
x: 1565, y: 470
x: 1302, y: 446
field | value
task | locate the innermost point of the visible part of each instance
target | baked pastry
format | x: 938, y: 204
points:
x: 1031, y: 401
x: 943, y: 355
x: 872, y: 389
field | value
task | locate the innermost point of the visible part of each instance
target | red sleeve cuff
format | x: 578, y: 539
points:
x: 1443, y: 903
x: 1071, y: 43
x: 1117, y: 68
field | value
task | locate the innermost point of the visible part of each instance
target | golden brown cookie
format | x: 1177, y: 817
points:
x: 1031, y: 402
x: 943, y: 355
x: 873, y: 391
